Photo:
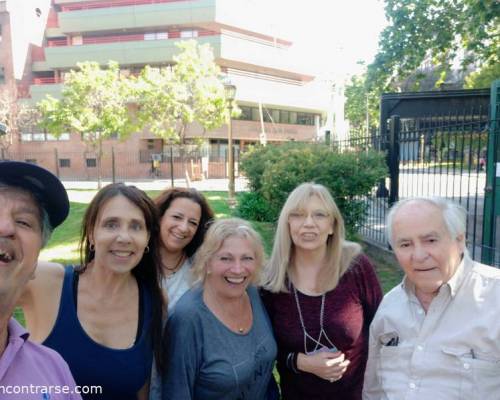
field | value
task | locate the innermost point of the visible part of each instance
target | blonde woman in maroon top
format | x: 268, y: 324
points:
x: 321, y: 294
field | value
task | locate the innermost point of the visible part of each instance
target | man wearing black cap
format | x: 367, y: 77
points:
x: 32, y: 203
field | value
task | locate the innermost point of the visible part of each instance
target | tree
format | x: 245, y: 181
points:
x: 358, y: 102
x: 16, y: 115
x: 94, y: 104
x: 437, y: 31
x: 171, y: 98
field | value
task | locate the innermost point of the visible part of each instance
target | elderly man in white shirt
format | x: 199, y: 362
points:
x: 436, y: 336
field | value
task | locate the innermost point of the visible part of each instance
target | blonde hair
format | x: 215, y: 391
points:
x: 214, y: 238
x: 340, y: 252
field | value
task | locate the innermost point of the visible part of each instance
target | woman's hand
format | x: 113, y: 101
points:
x: 324, y: 364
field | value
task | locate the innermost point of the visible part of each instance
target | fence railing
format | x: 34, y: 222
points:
x: 173, y: 162
x: 442, y: 156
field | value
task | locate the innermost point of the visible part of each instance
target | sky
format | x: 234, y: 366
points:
x: 334, y: 34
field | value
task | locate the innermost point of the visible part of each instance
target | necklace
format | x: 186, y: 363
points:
x: 175, y: 268
x: 239, y: 321
x: 318, y: 346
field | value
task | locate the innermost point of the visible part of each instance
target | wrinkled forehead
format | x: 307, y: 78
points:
x: 20, y: 196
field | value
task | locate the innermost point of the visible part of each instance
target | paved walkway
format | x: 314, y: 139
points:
x: 205, y: 185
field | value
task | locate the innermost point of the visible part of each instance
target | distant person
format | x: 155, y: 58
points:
x: 321, y: 294
x: 105, y: 316
x: 436, y: 335
x: 220, y: 340
x: 33, y: 203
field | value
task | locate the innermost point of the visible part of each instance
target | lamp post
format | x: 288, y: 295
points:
x: 230, y: 92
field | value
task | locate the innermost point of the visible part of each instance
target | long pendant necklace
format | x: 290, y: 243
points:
x: 318, y: 346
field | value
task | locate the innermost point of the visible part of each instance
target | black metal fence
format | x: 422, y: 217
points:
x: 442, y: 156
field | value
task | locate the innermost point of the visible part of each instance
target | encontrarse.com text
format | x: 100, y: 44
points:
x: 50, y: 389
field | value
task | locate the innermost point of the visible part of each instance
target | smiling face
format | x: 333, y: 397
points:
x: 231, y: 269
x: 423, y: 246
x: 20, y: 239
x: 310, y: 226
x: 120, y: 235
x: 179, y: 224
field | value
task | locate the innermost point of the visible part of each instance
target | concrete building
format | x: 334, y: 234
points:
x: 279, y: 100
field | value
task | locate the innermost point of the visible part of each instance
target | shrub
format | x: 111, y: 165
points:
x: 276, y: 170
x: 252, y: 206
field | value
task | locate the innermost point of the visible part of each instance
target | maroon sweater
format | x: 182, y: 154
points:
x: 349, y: 309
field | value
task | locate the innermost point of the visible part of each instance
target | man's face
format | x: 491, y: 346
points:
x: 20, y: 239
x: 425, y: 250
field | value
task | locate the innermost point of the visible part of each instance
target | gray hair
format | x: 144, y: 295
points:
x: 454, y: 215
x: 45, y: 225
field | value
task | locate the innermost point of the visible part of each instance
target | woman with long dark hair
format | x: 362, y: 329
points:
x: 105, y: 316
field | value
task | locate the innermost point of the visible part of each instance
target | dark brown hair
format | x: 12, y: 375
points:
x: 148, y: 271
x: 165, y: 199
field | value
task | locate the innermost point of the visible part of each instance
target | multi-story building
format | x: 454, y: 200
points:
x: 279, y: 100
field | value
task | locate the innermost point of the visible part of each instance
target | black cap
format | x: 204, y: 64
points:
x: 44, y: 185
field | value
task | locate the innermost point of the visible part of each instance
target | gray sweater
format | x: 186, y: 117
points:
x: 207, y: 361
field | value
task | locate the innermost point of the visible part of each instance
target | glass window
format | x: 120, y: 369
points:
x: 39, y: 137
x: 189, y: 33
x: 64, y: 136
x: 51, y: 137
x: 267, y: 115
x: 162, y: 35
x: 246, y: 113
x: 305, y: 119
x: 26, y: 137
x: 293, y: 117
x: 284, y: 117
x: 91, y: 162
x: 275, y: 114
x: 150, y: 36
x: 255, y: 114
x: 64, y: 162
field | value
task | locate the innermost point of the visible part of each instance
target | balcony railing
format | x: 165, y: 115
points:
x: 125, y: 38
x: 116, y: 3
x: 46, y: 81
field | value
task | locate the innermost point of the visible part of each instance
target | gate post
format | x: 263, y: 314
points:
x: 491, y: 211
x: 393, y: 158
x: 56, y: 158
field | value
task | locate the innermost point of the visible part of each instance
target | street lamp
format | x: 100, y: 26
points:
x: 230, y: 92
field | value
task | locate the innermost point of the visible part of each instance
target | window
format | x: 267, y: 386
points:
x: 91, y: 162
x: 31, y: 160
x: 275, y: 115
x: 64, y: 136
x: 39, y: 137
x: 191, y: 33
x: 150, y: 36
x: 64, y: 162
x: 26, y: 137
x: 246, y: 113
x: 305, y: 119
x: 293, y: 117
x: 255, y: 114
x: 285, y: 117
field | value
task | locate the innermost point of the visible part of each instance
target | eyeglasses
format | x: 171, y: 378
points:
x: 317, y: 216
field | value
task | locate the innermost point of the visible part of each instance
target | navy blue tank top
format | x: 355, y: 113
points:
x: 120, y: 372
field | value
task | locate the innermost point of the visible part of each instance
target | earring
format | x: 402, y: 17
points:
x: 208, y: 272
x: 146, y: 250
x: 92, y: 247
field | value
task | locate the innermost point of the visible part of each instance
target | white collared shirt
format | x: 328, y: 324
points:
x: 450, y: 353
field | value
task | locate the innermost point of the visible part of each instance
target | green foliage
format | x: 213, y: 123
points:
x: 252, y: 206
x: 171, y: 98
x: 94, y: 103
x: 276, y: 171
x: 484, y: 77
x: 357, y: 99
x: 438, y: 31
